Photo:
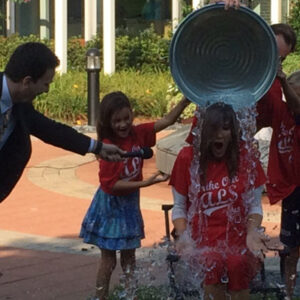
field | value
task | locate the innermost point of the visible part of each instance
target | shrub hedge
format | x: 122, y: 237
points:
x: 67, y: 97
x: 147, y: 52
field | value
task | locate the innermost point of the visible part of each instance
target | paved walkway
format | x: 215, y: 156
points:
x: 41, y: 256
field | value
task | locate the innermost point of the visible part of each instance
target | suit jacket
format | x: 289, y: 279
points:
x: 16, y: 152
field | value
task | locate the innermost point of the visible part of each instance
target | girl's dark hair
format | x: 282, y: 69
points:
x: 110, y: 103
x: 216, y: 116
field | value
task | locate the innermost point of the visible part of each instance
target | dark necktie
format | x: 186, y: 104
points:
x: 4, y: 122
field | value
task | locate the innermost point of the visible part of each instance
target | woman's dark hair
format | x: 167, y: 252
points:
x: 30, y: 59
x: 287, y: 33
x: 216, y: 116
x: 110, y: 103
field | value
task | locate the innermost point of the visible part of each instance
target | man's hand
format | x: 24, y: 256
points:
x: 232, y: 3
x: 111, y: 152
x: 228, y: 3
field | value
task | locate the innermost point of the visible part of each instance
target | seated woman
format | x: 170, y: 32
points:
x: 217, y: 187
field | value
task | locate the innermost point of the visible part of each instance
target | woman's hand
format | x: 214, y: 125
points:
x: 256, y: 242
x: 185, y: 244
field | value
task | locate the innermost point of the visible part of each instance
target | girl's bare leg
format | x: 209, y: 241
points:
x: 219, y: 292
x: 128, y: 267
x: 215, y: 292
x: 238, y: 295
x: 128, y: 260
x: 107, y: 264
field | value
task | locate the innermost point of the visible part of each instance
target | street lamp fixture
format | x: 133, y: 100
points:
x: 93, y: 70
x: 93, y: 59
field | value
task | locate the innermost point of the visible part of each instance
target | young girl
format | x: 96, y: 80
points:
x: 114, y: 221
x: 214, y: 210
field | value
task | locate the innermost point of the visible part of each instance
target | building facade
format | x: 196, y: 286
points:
x: 61, y: 19
x: 34, y: 16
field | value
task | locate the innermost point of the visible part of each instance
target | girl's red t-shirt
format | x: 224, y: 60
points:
x: 219, y: 205
x: 284, y: 156
x: 130, y: 168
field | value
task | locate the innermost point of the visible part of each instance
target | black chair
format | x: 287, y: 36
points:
x: 257, y: 287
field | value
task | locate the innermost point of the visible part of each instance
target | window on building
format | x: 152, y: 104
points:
x: 137, y: 15
x: 27, y: 18
x: 75, y: 17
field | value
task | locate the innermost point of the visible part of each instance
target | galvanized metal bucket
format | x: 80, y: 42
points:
x: 223, y: 55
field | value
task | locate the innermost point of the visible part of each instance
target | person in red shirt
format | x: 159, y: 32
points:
x: 217, y: 205
x: 114, y: 220
x: 283, y: 167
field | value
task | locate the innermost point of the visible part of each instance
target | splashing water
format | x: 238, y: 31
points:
x: 191, y: 261
x: 247, y: 120
x: 185, y: 275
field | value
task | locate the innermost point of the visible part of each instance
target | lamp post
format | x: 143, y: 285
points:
x: 93, y: 70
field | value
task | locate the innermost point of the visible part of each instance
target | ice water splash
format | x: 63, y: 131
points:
x: 238, y: 99
x: 195, y: 169
x: 184, y: 275
x: 192, y: 262
x: 247, y: 121
x: 157, y: 277
x: 150, y: 276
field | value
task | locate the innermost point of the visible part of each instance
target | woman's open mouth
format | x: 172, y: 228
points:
x: 218, y: 149
x: 218, y: 145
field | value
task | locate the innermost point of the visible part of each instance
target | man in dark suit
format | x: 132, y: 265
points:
x: 28, y: 73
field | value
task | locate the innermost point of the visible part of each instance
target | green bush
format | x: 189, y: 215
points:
x: 8, y: 45
x: 76, y: 54
x: 154, y: 51
x: 291, y: 63
x: 77, y: 51
x: 67, y: 97
x: 173, y: 97
x: 128, y: 51
x: 146, y: 91
x: 146, y: 52
x: 294, y: 20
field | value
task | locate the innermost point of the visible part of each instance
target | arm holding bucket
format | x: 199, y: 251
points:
x: 291, y: 89
x: 172, y: 116
x: 228, y: 3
